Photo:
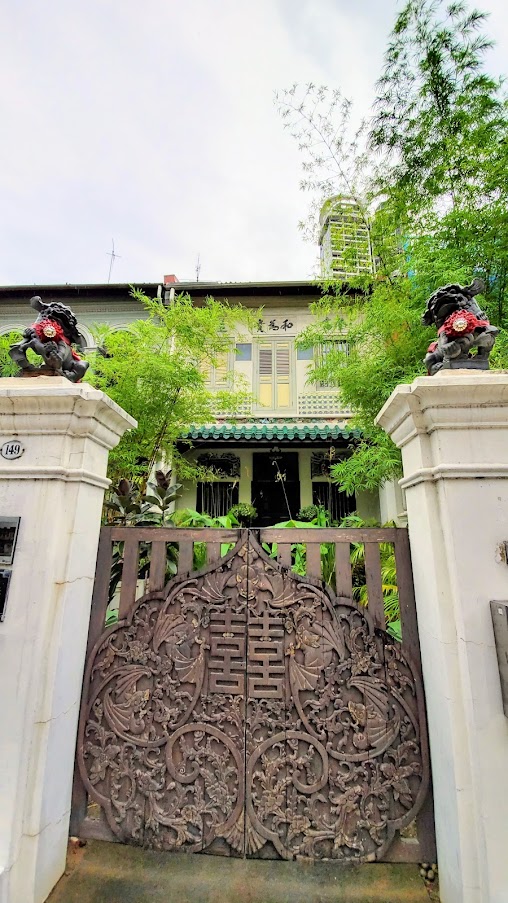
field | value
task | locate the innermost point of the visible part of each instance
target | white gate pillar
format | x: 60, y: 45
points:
x: 453, y: 432
x: 56, y: 487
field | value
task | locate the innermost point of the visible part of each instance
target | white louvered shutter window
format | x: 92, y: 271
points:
x: 265, y: 389
x: 282, y: 374
x: 321, y: 353
x: 274, y: 375
x: 221, y: 371
x: 216, y: 376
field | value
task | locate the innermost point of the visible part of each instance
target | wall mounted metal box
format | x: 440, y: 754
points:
x: 499, y: 612
x: 9, y: 527
x: 5, y: 576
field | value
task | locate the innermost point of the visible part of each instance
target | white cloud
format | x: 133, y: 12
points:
x: 154, y: 124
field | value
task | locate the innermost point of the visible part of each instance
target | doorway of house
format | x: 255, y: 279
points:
x: 275, y: 487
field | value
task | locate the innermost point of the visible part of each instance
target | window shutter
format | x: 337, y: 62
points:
x: 221, y: 370
x: 282, y: 359
x: 207, y: 371
x: 265, y: 361
x: 266, y: 375
x: 282, y: 368
x: 323, y: 350
x: 274, y: 374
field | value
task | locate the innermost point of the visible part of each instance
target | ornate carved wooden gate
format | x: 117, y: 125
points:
x: 246, y: 710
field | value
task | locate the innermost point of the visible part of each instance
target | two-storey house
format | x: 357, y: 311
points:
x: 277, y: 454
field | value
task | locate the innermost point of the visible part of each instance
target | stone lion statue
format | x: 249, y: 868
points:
x: 462, y: 329
x: 51, y: 336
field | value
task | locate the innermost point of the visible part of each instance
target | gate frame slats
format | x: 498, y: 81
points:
x: 285, y: 642
x: 246, y: 789
x: 284, y: 554
x: 100, y: 595
x: 129, y: 574
x: 213, y: 552
x: 408, y: 619
x: 100, y: 599
x: 185, y: 557
x: 328, y: 534
x: 97, y: 829
x: 177, y: 534
x: 425, y: 826
x: 374, y: 584
x: 343, y: 573
x: 157, y: 565
x: 313, y: 560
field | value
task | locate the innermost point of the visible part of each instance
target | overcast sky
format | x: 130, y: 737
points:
x: 152, y: 122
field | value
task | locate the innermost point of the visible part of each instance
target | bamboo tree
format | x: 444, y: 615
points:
x: 157, y: 371
x: 430, y: 175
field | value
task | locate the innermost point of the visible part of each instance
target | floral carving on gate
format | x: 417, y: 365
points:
x: 246, y: 706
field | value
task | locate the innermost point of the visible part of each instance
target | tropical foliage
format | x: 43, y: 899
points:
x: 357, y: 554
x: 128, y: 506
x: 157, y: 370
x: 7, y: 366
x: 428, y: 171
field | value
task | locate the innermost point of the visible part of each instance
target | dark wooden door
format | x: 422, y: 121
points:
x: 275, y: 489
x: 246, y: 711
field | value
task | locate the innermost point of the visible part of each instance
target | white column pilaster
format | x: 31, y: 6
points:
x: 453, y: 432
x: 57, y: 488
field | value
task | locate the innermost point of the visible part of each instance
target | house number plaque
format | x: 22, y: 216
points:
x: 12, y: 449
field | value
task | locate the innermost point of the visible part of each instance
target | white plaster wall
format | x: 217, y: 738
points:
x: 367, y: 505
x: 57, y: 489
x: 453, y: 431
x: 187, y: 495
x: 304, y: 457
x: 392, y: 504
x: 41, y: 641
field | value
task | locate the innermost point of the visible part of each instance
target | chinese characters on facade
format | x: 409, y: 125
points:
x: 274, y: 325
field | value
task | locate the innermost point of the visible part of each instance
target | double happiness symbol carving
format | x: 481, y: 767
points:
x: 247, y: 706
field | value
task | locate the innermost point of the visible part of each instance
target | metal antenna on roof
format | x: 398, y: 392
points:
x: 113, y: 257
x: 198, y: 267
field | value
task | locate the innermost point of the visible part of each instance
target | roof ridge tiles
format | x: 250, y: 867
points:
x: 291, y: 430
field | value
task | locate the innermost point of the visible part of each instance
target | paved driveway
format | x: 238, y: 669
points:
x: 114, y: 873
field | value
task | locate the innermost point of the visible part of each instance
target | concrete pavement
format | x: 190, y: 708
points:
x: 114, y: 873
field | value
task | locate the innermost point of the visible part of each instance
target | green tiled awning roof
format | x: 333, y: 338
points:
x: 276, y: 431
